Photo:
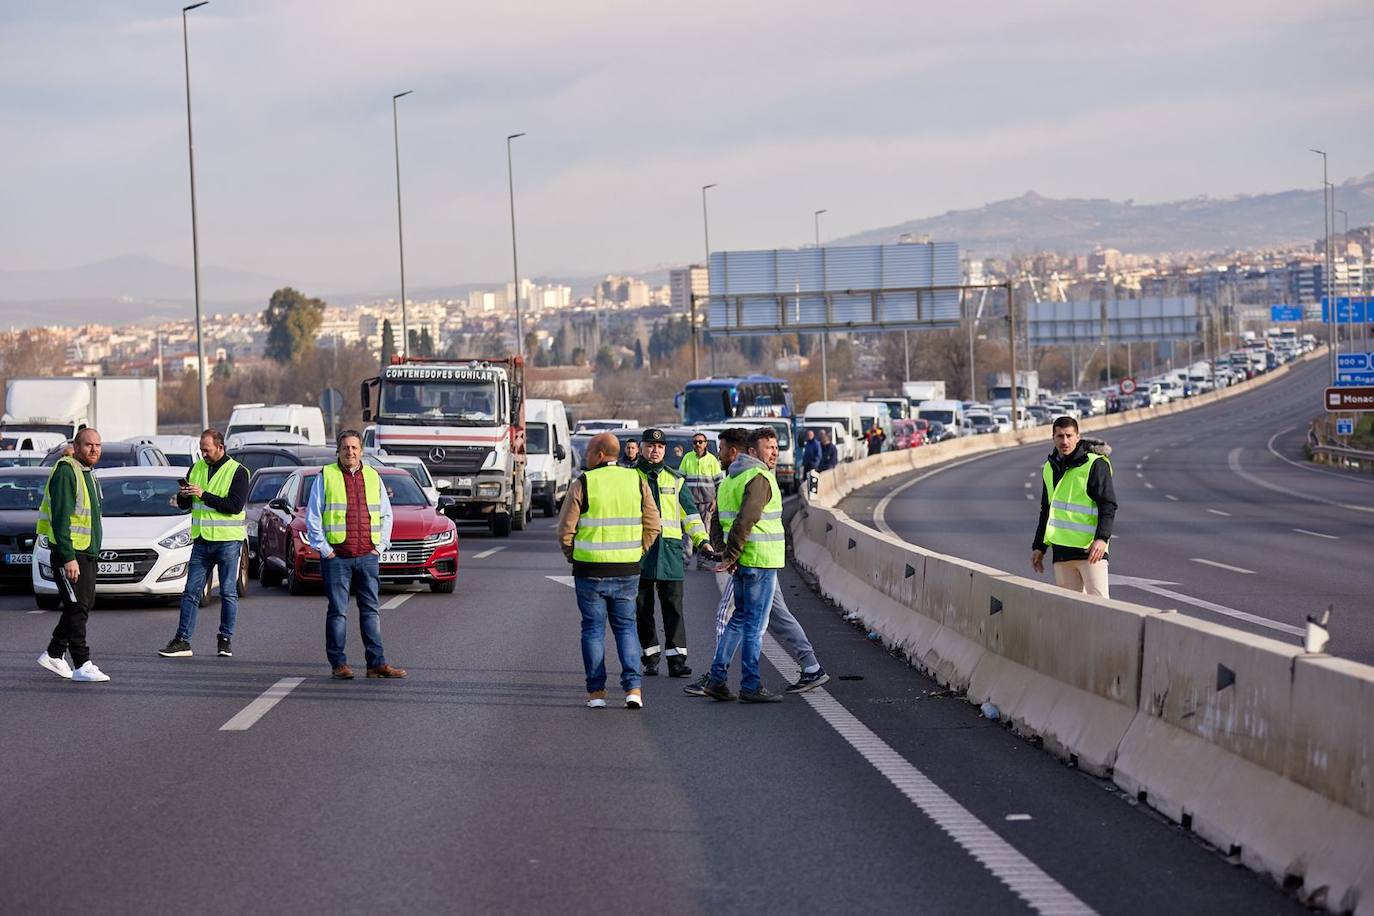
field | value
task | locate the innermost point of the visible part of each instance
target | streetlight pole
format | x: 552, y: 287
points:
x: 825, y: 316
x: 514, y: 257
x: 195, y: 237
x: 400, y: 231
x: 1326, y: 264
x: 1345, y: 254
x: 691, y: 298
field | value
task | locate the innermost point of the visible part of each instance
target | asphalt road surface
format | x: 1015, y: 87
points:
x: 482, y: 784
x: 1218, y: 515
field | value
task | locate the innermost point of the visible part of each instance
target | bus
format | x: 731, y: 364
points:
x: 714, y: 400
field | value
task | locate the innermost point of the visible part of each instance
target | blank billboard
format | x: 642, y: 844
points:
x: 1148, y: 319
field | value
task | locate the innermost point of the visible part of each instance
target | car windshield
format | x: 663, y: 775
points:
x: 537, y: 438
x: 180, y: 461
x: 265, y: 486
x: 472, y: 402
x: 404, y: 491
x: 131, y: 497
x: 20, y: 493
x: 257, y: 428
x: 418, y: 472
x: 20, y: 461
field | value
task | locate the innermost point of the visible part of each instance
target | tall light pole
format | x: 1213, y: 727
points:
x: 400, y: 231
x: 1326, y: 264
x: 692, y: 299
x: 1345, y: 253
x: 515, y: 258
x: 195, y: 238
x: 825, y: 316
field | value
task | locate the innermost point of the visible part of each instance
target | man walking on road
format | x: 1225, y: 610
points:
x: 661, y: 570
x: 1077, y: 510
x: 215, y: 491
x: 608, y: 522
x: 70, y: 519
x: 782, y: 625
x: 348, y: 520
x: 703, y: 473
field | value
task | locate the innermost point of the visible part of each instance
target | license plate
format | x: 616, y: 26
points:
x: 17, y: 558
x: 114, y: 569
x: 394, y: 556
x: 465, y: 483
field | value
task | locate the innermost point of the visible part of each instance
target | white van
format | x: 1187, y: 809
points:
x: 789, y: 460
x: 296, y: 419
x: 950, y: 413
x: 845, y: 415
x: 548, y: 450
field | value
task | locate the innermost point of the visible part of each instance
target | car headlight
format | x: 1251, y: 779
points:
x: 489, y: 489
x: 176, y: 572
x: 176, y: 541
x: 490, y: 461
x: 443, y: 537
x: 537, y: 476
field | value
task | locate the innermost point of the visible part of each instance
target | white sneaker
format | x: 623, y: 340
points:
x: 633, y: 700
x: 58, y: 666
x: 596, y: 700
x: 89, y: 673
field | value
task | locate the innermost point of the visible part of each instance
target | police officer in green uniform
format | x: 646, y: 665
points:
x: 661, y: 572
x: 215, y: 491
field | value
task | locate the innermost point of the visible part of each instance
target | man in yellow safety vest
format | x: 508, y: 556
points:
x: 1077, y: 511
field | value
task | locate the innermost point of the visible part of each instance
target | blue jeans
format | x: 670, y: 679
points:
x: 205, y: 556
x: 359, y: 575
x: 744, y: 633
x: 596, y: 599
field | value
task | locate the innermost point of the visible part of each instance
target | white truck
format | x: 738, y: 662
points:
x: 1027, y: 389
x: 920, y: 391
x: 466, y: 420
x: 118, y: 407
x: 548, y: 447
x: 291, y: 420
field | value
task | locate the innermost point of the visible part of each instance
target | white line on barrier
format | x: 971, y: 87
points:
x: 488, y: 552
x: 1233, y: 462
x: 1171, y: 497
x: 397, y: 601
x: 1153, y: 586
x: 248, y: 715
x: 1021, y: 876
x: 1219, y: 512
x: 1226, y: 566
x: 1315, y: 534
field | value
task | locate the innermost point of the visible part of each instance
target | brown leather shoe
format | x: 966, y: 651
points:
x: 343, y: 673
x: 386, y: 671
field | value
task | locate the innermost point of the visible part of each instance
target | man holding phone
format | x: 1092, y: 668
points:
x: 215, y: 491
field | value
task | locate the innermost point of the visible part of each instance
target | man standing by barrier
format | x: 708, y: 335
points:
x: 830, y: 456
x: 608, y: 522
x: 703, y: 474
x: 811, y: 453
x: 215, y: 492
x: 70, y: 520
x: 661, y: 570
x: 1077, y: 510
x: 348, y: 520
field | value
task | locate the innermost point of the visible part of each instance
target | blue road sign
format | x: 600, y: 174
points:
x: 1354, y: 379
x: 1285, y: 313
x: 1349, y: 310
x: 1345, y: 427
x: 1354, y: 361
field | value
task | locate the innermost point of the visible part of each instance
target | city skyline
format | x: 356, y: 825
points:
x: 293, y: 138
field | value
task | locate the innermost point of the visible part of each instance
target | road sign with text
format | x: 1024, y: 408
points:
x: 1338, y: 400
x: 1354, y: 379
x: 1345, y: 427
x: 1358, y: 362
x: 1285, y: 313
x: 1349, y: 310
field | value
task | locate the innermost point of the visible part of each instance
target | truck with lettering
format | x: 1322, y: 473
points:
x: 465, y: 419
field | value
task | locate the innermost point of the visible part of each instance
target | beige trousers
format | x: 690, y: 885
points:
x: 1082, y: 576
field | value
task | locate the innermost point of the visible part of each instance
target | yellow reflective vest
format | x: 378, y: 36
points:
x: 612, y: 528
x: 206, y: 523
x: 334, y: 511
x: 766, y: 545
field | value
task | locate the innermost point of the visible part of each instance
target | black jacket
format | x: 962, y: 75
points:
x: 1100, y: 491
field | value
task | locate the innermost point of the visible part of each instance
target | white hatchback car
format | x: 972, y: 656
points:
x: 145, y: 539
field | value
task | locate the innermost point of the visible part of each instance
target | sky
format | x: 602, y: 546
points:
x: 877, y: 111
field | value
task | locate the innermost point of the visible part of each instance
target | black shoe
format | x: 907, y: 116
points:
x: 651, y: 670
x: 177, y: 648
x: 762, y: 695
x: 698, y: 687
x: 225, y: 650
x: 809, y: 681
x: 717, y: 691
x: 678, y: 668
x: 650, y: 664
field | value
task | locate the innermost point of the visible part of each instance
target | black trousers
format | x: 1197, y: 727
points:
x: 70, y: 633
x: 674, y: 626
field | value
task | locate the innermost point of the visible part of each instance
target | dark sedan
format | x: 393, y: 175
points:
x: 21, y: 493
x: 264, y: 485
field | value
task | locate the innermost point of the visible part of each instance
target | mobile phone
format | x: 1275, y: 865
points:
x: 183, y: 482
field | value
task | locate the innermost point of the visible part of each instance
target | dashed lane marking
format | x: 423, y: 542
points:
x: 1219, y: 512
x: 1226, y: 566
x: 245, y: 718
x: 488, y: 552
x: 1018, y: 817
x: 1315, y: 534
x: 1149, y: 486
x: 397, y: 601
x: 1027, y: 484
x: 1138, y: 474
x: 1171, y: 497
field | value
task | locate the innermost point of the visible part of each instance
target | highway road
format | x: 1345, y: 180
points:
x: 1218, y: 515
x: 482, y: 784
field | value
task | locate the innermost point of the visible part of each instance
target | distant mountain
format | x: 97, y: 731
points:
x: 135, y: 277
x: 1033, y: 223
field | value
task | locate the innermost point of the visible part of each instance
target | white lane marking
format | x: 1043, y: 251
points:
x: 563, y: 580
x: 397, y: 601
x: 1226, y: 566
x: 1018, y: 817
x: 1138, y: 474
x: 880, y: 510
x: 1308, y: 467
x: 1153, y: 586
x: 1315, y: 534
x: 1149, y: 486
x: 248, y: 715
x: 1028, y: 496
x: 1219, y: 512
x: 488, y: 552
x: 1138, y: 465
x: 1233, y: 462
x: 1021, y: 876
x: 1027, y: 484
x: 1171, y: 497
x: 35, y: 612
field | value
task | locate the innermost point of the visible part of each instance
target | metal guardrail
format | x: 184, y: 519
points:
x: 1353, y: 458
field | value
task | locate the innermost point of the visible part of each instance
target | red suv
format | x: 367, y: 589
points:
x: 424, y: 541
